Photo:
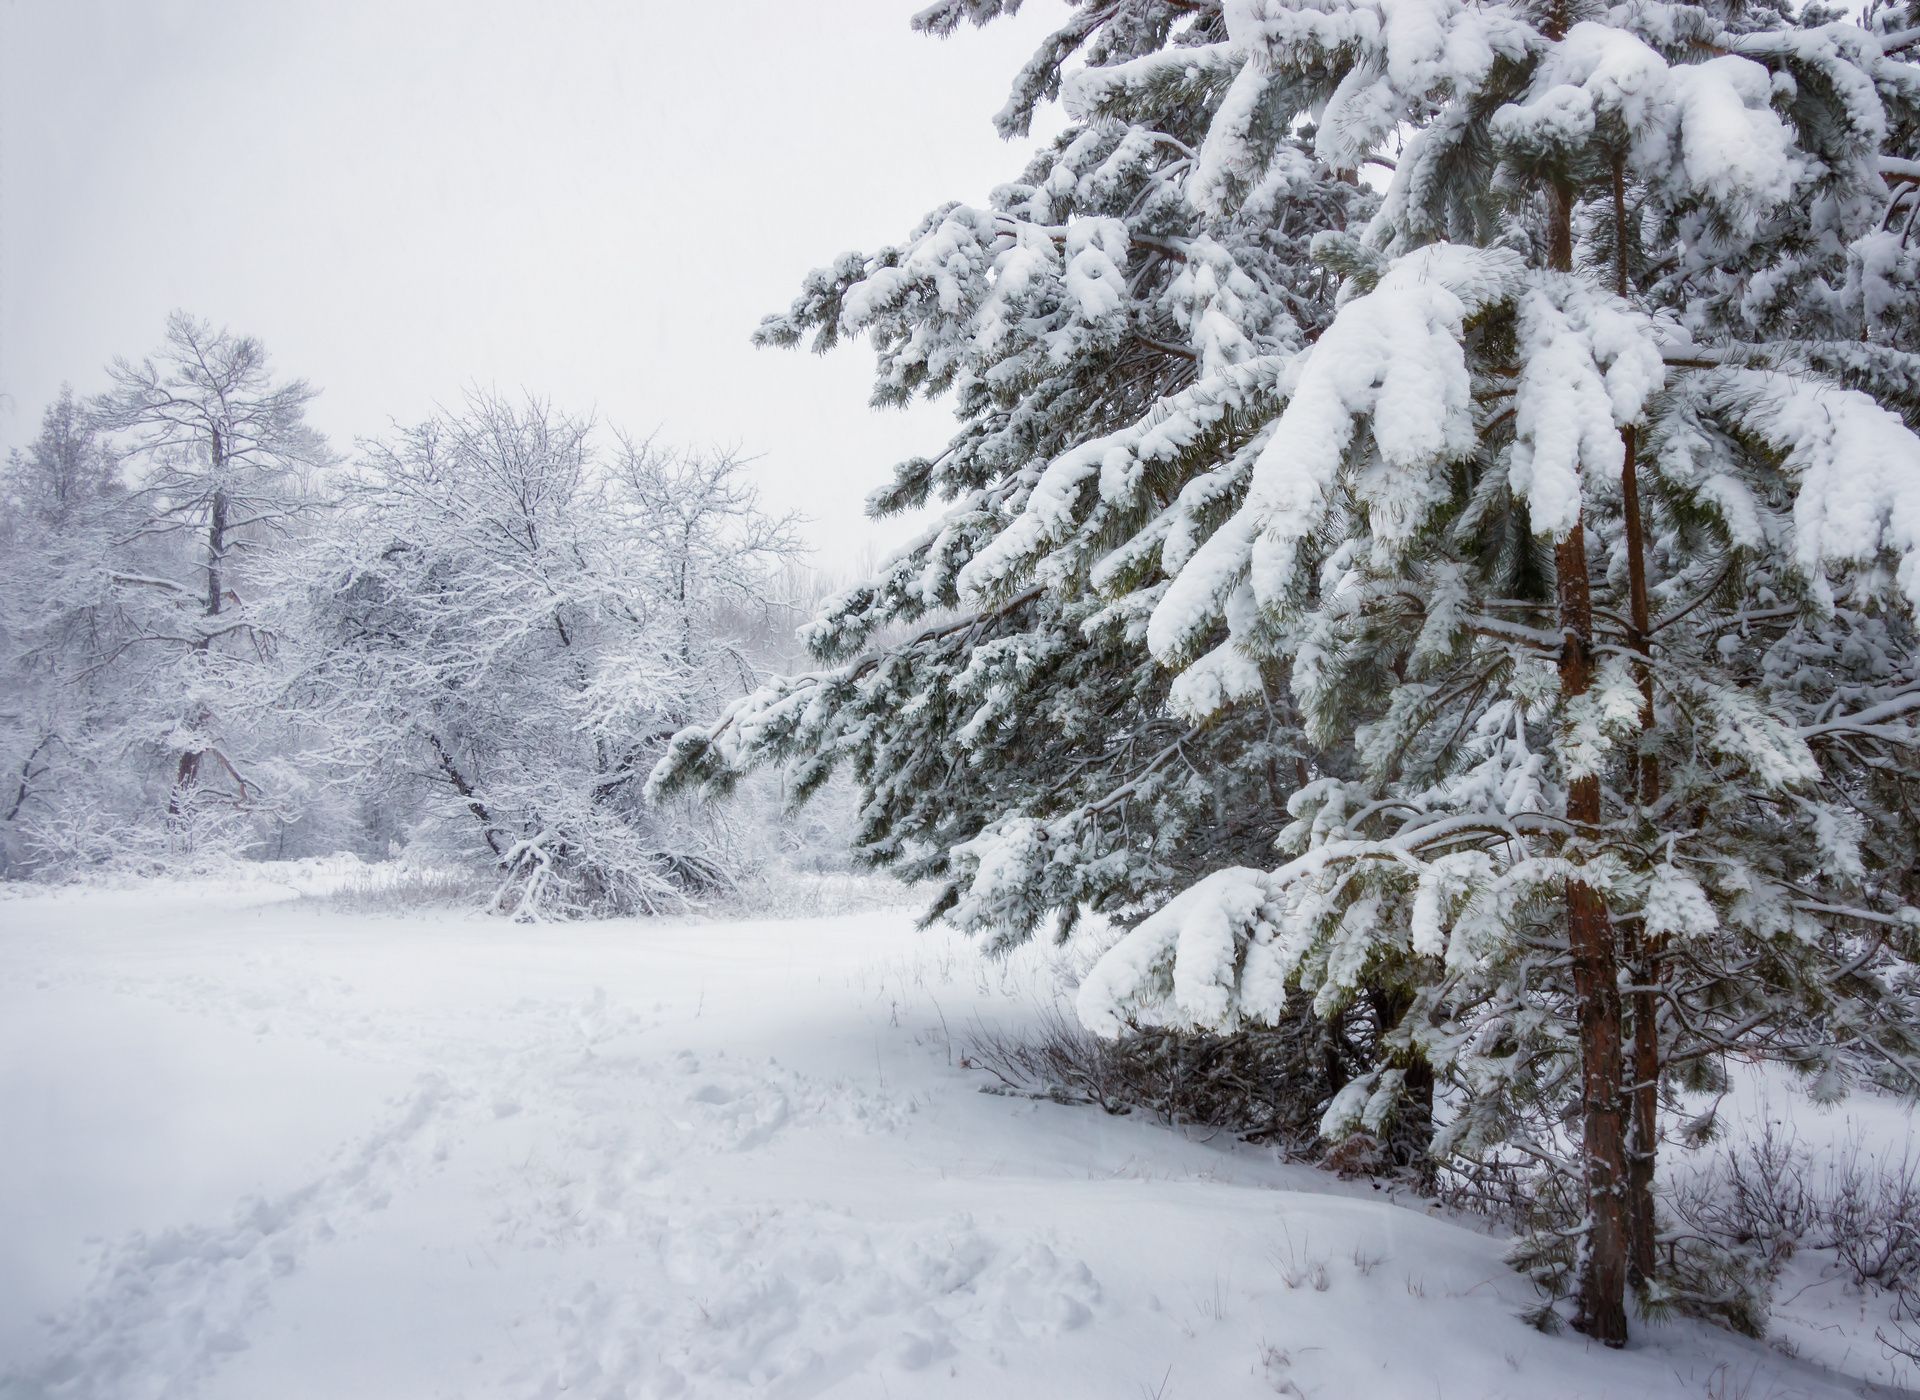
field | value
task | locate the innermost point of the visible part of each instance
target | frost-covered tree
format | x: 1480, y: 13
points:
x: 509, y: 622
x: 1581, y: 538
x: 61, y: 506
x: 130, y: 613
x: 710, y: 556
x: 219, y: 458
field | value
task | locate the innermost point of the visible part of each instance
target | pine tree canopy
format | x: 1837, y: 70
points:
x: 1250, y: 522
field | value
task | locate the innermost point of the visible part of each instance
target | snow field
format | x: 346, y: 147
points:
x: 324, y: 1155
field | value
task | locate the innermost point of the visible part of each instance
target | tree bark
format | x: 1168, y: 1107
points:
x: 1601, y: 1310
x: 1643, y: 952
x: 1601, y: 1304
x: 188, y: 773
x: 459, y: 783
x: 24, y: 789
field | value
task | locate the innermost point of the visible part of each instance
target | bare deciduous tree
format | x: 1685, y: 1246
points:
x: 220, y: 454
x: 518, y: 623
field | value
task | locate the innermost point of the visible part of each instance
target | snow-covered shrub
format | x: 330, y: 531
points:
x: 1765, y: 1200
x: 1271, y: 1084
x: 406, y: 884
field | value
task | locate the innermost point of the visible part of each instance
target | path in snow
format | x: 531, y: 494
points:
x: 328, y: 1155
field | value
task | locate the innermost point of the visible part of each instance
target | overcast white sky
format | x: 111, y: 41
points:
x: 594, y: 199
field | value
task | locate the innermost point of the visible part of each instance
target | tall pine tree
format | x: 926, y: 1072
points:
x: 1580, y: 530
x: 1129, y: 306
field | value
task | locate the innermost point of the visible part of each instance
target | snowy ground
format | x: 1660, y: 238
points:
x: 259, y: 1149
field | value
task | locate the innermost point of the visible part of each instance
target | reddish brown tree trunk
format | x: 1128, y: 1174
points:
x: 1602, y: 1312
x: 1601, y: 1309
x: 1643, y: 952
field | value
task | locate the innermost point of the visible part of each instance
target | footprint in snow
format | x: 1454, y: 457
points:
x: 176, y: 1303
x: 744, y: 1301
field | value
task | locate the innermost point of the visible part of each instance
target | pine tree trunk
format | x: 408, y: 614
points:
x: 1416, y: 1123
x: 1643, y: 1223
x: 1602, y: 1311
x: 1643, y: 952
x: 1601, y: 1302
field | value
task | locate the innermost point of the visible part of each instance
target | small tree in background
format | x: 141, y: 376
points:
x: 132, y: 608
x: 62, y: 505
x: 219, y: 458
x: 517, y: 622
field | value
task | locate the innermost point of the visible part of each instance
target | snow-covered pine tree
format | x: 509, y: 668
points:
x: 1113, y: 327
x: 1568, y: 536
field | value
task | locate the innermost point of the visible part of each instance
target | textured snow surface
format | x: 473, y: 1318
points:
x: 256, y: 1148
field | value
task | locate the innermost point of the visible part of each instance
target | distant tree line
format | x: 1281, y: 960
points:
x: 472, y: 636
